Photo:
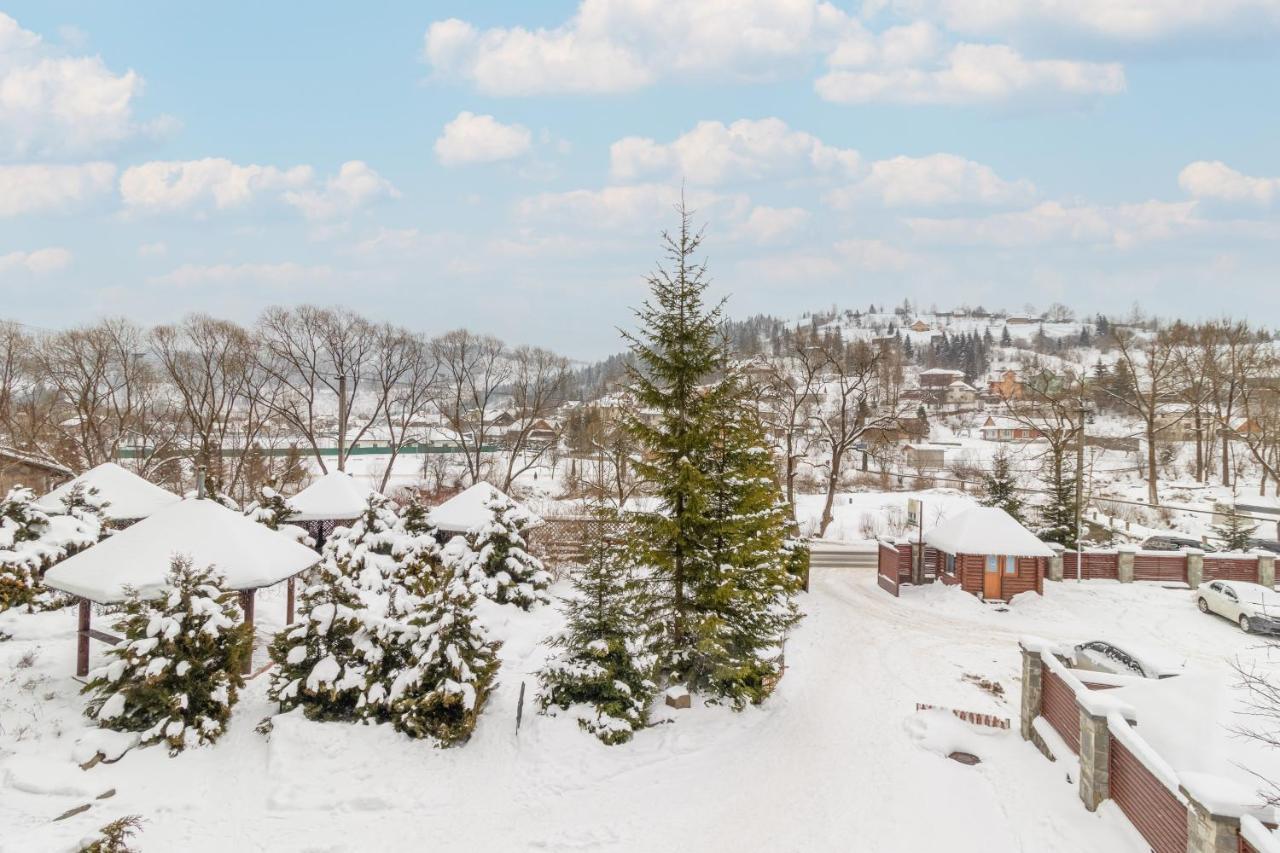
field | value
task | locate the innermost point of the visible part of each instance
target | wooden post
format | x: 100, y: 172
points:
x: 288, y: 615
x: 246, y: 604
x: 82, y: 640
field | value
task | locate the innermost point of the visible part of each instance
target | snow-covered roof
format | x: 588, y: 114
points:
x: 941, y: 371
x: 249, y: 554
x: 986, y: 530
x: 336, y: 495
x: 128, y: 495
x: 467, y: 509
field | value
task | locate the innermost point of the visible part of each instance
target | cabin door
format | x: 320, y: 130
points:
x: 991, y: 578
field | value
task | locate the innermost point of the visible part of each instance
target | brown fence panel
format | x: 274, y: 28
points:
x: 1166, y: 568
x: 1058, y: 706
x: 1231, y: 569
x: 1155, y: 811
x: 887, y: 569
x: 1105, y: 566
x: 906, y: 555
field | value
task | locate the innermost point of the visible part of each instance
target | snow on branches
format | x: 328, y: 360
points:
x: 176, y: 674
x: 33, y: 539
x: 503, y: 570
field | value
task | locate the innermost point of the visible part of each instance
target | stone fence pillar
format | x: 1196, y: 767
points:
x: 1095, y: 759
x: 1032, y: 690
x: 1055, y: 562
x: 1266, y: 569
x: 1195, y: 567
x: 1208, y: 832
x: 1124, y: 563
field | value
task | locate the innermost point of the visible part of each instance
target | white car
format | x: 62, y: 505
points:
x: 1251, y: 606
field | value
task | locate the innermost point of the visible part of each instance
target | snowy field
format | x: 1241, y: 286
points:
x: 838, y: 759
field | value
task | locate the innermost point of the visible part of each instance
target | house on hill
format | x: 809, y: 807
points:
x: 986, y: 552
x: 18, y: 468
x: 939, y: 377
x: 1007, y: 429
x: 920, y: 326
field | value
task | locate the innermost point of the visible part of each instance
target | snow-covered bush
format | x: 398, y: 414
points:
x: 114, y: 837
x: 503, y: 570
x: 365, y: 551
x: 603, y: 667
x: 177, y: 671
x: 417, y: 550
x: 269, y: 507
x: 439, y: 685
x: 32, y: 540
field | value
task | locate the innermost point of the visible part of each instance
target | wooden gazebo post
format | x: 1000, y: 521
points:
x: 246, y: 605
x: 82, y: 640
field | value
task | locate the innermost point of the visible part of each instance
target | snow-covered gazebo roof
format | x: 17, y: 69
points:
x: 334, y: 497
x: 249, y: 554
x: 128, y: 496
x: 466, y: 510
x: 986, y: 530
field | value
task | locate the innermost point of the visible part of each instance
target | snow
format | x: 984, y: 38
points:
x: 128, y: 496
x: 469, y: 509
x: 335, y: 495
x: 841, y: 734
x: 247, y: 553
x: 986, y: 530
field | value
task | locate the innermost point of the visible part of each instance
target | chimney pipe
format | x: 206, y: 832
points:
x: 199, y: 482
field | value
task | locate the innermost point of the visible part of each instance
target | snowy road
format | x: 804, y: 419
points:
x: 837, y: 760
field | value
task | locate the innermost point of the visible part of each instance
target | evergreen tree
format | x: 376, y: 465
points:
x: 746, y: 605
x: 270, y: 508
x: 1006, y: 340
x: 31, y: 542
x: 440, y: 683
x: 364, y: 552
x: 321, y: 661
x: 1002, y: 487
x: 603, y: 666
x: 1234, y: 531
x: 176, y: 674
x: 503, y: 570
x: 922, y: 415
x: 1058, y: 514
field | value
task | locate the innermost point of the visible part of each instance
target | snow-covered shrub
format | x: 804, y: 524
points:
x: 321, y: 660
x: 416, y: 549
x: 114, y: 837
x: 439, y: 685
x: 365, y: 551
x: 177, y: 671
x: 31, y: 541
x: 503, y: 570
x: 269, y: 507
x: 603, y: 667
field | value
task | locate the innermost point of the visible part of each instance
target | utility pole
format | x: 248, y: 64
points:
x: 342, y: 422
x: 200, y: 482
x: 1083, y: 412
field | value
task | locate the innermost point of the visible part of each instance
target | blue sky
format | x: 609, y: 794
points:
x: 508, y: 166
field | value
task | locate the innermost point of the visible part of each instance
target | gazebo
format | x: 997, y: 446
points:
x: 467, y: 509
x: 250, y: 556
x: 988, y: 553
x: 333, y: 499
x: 128, y: 496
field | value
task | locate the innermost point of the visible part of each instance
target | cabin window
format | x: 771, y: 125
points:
x: 1010, y: 565
x: 993, y: 565
x: 949, y: 564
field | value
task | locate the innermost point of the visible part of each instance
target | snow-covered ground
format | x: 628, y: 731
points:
x: 837, y: 759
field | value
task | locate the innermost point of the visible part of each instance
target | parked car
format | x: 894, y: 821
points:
x: 1272, y: 545
x: 1171, y: 542
x: 1103, y: 656
x: 1251, y: 606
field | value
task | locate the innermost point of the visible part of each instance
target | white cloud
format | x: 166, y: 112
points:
x: 152, y: 250
x: 217, y: 183
x: 1055, y: 223
x: 1218, y: 181
x: 875, y: 256
x: 54, y: 104
x: 974, y: 73
x: 937, y: 179
x: 649, y: 206
x: 747, y: 149
x: 171, y: 185
x: 38, y: 262
x: 472, y: 138
x: 768, y: 224
x: 1114, y: 20
x: 38, y: 188
x: 355, y: 186
x: 622, y: 45
x: 273, y: 275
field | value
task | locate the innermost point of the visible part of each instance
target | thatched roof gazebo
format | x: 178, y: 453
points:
x: 128, y: 496
x: 249, y: 555
x: 333, y: 499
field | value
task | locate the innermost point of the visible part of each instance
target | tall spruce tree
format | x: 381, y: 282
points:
x: 177, y: 672
x: 1058, y: 513
x: 1234, y: 531
x: 503, y: 569
x: 676, y: 375
x: 603, y: 664
x: 1001, y: 487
